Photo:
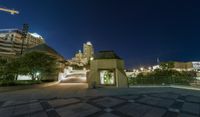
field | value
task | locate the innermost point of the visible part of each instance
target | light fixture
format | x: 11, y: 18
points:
x: 37, y: 74
x: 91, y: 58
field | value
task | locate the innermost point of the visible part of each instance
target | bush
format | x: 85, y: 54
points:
x: 161, y: 77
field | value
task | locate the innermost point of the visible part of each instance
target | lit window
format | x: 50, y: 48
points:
x: 107, y: 77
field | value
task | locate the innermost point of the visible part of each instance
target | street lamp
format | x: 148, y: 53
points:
x: 37, y: 73
x: 142, y: 69
x: 91, y: 58
x: 150, y: 68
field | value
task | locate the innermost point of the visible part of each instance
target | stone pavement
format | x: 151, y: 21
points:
x: 162, y: 104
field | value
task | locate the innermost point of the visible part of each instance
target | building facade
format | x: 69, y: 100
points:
x: 81, y: 59
x: 107, y: 70
x: 88, y: 50
x: 187, y: 66
x: 12, y: 42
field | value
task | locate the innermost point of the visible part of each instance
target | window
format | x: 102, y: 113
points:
x: 107, y: 77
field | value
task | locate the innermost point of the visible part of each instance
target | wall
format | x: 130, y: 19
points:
x: 115, y: 64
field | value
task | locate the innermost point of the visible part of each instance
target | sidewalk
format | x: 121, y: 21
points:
x: 129, y: 105
x: 24, y: 87
x: 169, y: 86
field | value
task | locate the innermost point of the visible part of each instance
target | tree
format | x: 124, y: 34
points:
x: 3, y: 63
x: 37, y: 64
x: 13, y: 67
x: 167, y: 65
x: 9, y: 68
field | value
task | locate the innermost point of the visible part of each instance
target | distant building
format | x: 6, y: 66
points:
x: 81, y: 59
x: 88, y: 50
x: 187, y: 66
x: 183, y: 66
x: 178, y: 66
x: 11, y: 42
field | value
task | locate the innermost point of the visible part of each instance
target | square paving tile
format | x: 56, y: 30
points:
x: 6, y: 112
x: 1, y: 103
x: 34, y: 107
x: 39, y: 114
x: 108, y: 101
x: 166, y: 95
x: 61, y: 102
x: 191, y: 108
x: 108, y: 115
x: 13, y: 103
x: 27, y: 109
x: 156, y: 101
x: 187, y: 115
x: 21, y: 109
x: 193, y: 99
x: 77, y: 110
x: 129, y: 97
x: 139, y: 110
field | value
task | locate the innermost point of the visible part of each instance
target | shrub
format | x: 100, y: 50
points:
x: 164, y: 77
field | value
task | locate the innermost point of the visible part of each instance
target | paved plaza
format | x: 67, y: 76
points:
x: 75, y: 100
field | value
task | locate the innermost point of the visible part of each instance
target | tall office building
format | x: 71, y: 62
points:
x: 12, y: 42
x: 88, y: 50
x: 81, y: 59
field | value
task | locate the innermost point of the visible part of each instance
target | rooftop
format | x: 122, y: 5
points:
x: 106, y: 55
x: 36, y: 35
x: 45, y: 48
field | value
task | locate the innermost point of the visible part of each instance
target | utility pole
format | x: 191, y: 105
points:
x: 24, y: 35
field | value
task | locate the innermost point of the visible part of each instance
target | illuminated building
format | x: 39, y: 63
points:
x: 187, y: 66
x: 88, y: 50
x: 81, y: 59
x: 11, y: 42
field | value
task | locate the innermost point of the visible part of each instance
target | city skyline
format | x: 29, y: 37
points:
x: 138, y: 32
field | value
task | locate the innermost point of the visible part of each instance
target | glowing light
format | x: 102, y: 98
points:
x: 36, y: 35
x: 142, y: 69
x: 37, y: 74
x: 89, y: 43
x: 91, y: 58
x: 149, y: 68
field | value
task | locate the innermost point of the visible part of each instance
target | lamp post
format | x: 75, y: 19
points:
x: 24, y: 34
x: 37, y: 75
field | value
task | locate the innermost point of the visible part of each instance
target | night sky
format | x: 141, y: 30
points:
x: 139, y: 31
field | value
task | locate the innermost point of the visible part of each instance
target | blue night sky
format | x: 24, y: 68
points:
x: 139, y: 31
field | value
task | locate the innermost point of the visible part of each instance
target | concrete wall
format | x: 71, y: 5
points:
x: 116, y: 65
x: 183, y: 65
x: 122, y: 79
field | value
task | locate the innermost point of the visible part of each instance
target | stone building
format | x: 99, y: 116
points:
x: 107, y: 70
